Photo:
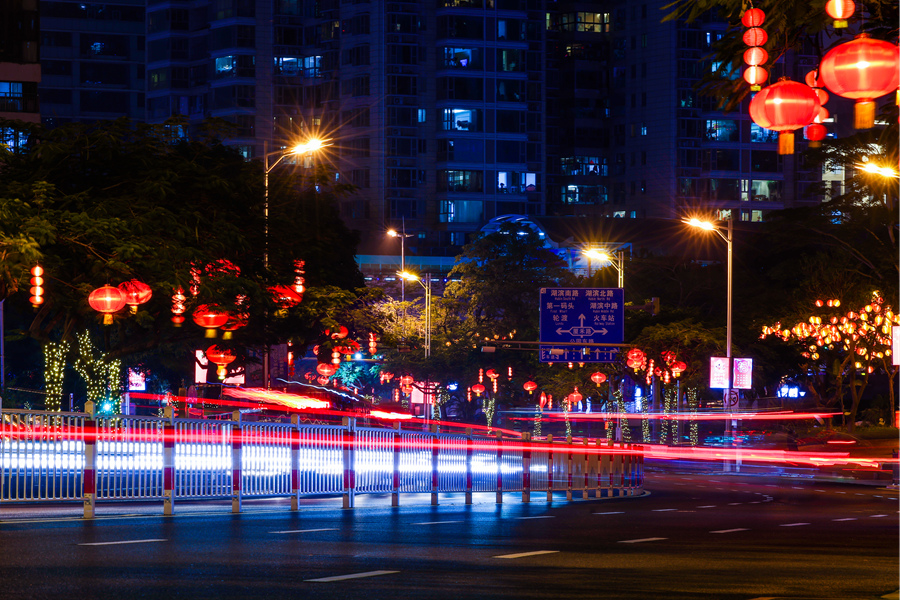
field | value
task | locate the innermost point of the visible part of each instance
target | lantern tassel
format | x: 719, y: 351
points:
x: 107, y: 319
x: 210, y: 333
x: 786, y: 142
x: 864, y: 114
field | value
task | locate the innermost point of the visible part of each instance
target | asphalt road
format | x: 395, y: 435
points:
x: 693, y: 536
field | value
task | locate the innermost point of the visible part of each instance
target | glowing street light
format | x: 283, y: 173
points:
x: 617, y: 261
x: 406, y: 276
x: 402, y: 235
x: 874, y: 169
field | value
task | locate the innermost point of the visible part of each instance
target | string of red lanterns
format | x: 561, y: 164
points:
x: 755, y: 55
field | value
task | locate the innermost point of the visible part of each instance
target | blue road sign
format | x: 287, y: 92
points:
x: 581, y: 316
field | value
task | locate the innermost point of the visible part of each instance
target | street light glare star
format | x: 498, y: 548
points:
x: 592, y: 253
x: 408, y: 276
x: 701, y: 224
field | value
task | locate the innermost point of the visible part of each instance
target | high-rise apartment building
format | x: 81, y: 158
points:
x: 449, y: 113
x: 20, y: 69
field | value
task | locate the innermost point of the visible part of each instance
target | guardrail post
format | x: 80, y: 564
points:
x: 587, y: 469
x: 616, y: 473
x: 526, y: 467
x: 168, y: 461
x: 470, y: 447
x: 499, y: 468
x: 349, y: 462
x: 435, y: 475
x: 569, y: 461
x: 89, y: 474
x: 549, y: 467
x: 395, y: 491
x: 605, y: 468
x: 237, y: 438
x: 626, y: 471
x: 295, y: 462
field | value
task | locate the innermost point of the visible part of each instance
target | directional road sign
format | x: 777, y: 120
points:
x: 581, y: 316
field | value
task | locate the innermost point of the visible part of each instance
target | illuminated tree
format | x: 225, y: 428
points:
x: 843, y: 349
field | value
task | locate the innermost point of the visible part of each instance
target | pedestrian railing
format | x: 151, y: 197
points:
x: 49, y: 456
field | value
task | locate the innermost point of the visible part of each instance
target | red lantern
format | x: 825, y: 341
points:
x: 285, y: 296
x: 326, y: 370
x: 406, y: 380
x: 598, y: 378
x: 756, y: 36
x: 755, y: 76
x: 178, y: 307
x: 492, y: 374
x: 575, y: 397
x: 758, y: 109
x: 233, y: 323
x: 478, y: 389
x: 635, y: 354
x: 136, y: 292
x: 862, y: 69
x: 209, y: 318
x: 339, y: 334
x: 755, y: 56
x: 220, y: 357
x: 812, y: 78
x: 529, y: 386
x: 815, y: 133
x: 840, y: 11
x: 107, y: 300
x: 543, y: 400
x: 789, y: 106
x: 753, y: 17
x: 322, y: 380
x: 387, y: 376
x: 37, y: 286
x: 678, y: 368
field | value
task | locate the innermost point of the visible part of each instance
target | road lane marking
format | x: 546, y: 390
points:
x: 654, y: 539
x: 735, y: 503
x: 524, y: 554
x: 858, y: 494
x: 707, y: 506
x: 352, y: 576
x: 847, y: 519
x: 305, y: 530
x: 818, y: 490
x: 793, y: 524
x: 730, y: 530
x: 876, y: 516
x: 123, y: 542
x: 876, y: 496
x: 663, y: 509
x: 437, y: 522
x: 754, y: 502
x: 840, y: 492
x: 614, y: 512
x: 541, y: 517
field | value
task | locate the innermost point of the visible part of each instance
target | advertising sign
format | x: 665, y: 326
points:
x: 718, y: 373
x: 137, y: 381
x: 743, y: 373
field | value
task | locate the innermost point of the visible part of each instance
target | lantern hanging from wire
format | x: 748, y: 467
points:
x: 107, y: 300
x: 209, y: 318
x: 840, y: 11
x: 862, y: 69
x: 789, y: 105
x: 221, y: 357
x: 755, y: 55
x: 529, y: 387
x: 598, y: 378
x: 136, y: 293
x: 478, y: 389
x: 178, y: 309
x: 37, y: 286
x: 326, y: 370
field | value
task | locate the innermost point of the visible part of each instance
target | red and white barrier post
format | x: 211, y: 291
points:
x: 349, y: 492
x: 526, y: 467
x: 89, y: 474
x: 435, y: 474
x: 295, y: 463
x: 470, y: 449
x: 169, y: 461
x: 237, y: 435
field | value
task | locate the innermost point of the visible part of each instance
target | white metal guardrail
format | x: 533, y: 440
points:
x: 71, y: 456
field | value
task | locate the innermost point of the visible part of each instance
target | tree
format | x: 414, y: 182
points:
x: 109, y: 202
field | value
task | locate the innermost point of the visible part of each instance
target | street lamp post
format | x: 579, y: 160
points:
x: 405, y: 276
x: 402, y: 235
x: 310, y: 146
x: 617, y: 261
x: 729, y: 241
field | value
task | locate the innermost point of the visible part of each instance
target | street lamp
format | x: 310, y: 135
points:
x: 402, y: 235
x: 405, y: 276
x: 308, y: 147
x: 729, y: 240
x: 617, y: 261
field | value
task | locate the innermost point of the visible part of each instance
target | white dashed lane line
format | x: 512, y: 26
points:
x: 793, y: 524
x: 638, y: 541
x: 876, y: 516
x: 612, y: 512
x: 735, y: 503
x: 730, y: 530
x: 524, y: 554
x: 437, y: 522
x: 846, y: 519
x: 541, y: 517
x: 352, y: 576
x: 664, y: 509
x: 707, y: 506
x: 123, y: 542
x: 305, y: 530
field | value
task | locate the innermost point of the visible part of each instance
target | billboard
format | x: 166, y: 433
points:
x: 718, y: 373
x: 743, y: 373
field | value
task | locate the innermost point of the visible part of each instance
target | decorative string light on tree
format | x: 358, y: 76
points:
x: 693, y: 404
x: 755, y: 55
x: 55, y: 354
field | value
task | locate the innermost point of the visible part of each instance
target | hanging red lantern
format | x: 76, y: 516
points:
x: 107, y: 300
x: 136, y: 293
x: 209, y: 318
x: 862, y: 69
x: 758, y: 108
x: 322, y: 380
x: 543, y: 400
x: 478, y: 389
x: 325, y: 369
x: 387, y: 376
x: 756, y: 36
x: 178, y: 307
x: 233, y: 323
x: 598, y: 377
x: 37, y: 286
x: 220, y: 357
x: 755, y: 56
x: 492, y: 374
x: 575, y: 396
x: 635, y: 354
x: 678, y: 368
x: 406, y: 380
x: 755, y: 76
x: 529, y: 387
x: 373, y: 343
x: 789, y: 106
x: 815, y: 133
x: 840, y: 11
x: 285, y: 296
x: 753, y: 17
x: 339, y: 334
